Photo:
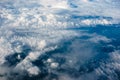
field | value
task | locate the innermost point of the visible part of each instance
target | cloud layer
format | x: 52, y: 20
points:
x: 45, y: 39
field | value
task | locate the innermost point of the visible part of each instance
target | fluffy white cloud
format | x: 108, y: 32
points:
x: 41, y: 24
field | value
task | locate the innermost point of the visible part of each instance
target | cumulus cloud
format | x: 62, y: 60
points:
x: 30, y: 29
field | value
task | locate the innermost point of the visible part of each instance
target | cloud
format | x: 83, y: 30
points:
x: 98, y: 38
x: 33, y: 28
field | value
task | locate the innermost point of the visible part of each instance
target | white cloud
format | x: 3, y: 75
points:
x: 97, y: 38
x: 54, y: 65
x: 42, y: 24
x: 33, y: 71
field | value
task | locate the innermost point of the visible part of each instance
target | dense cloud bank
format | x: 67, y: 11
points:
x: 59, y: 40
